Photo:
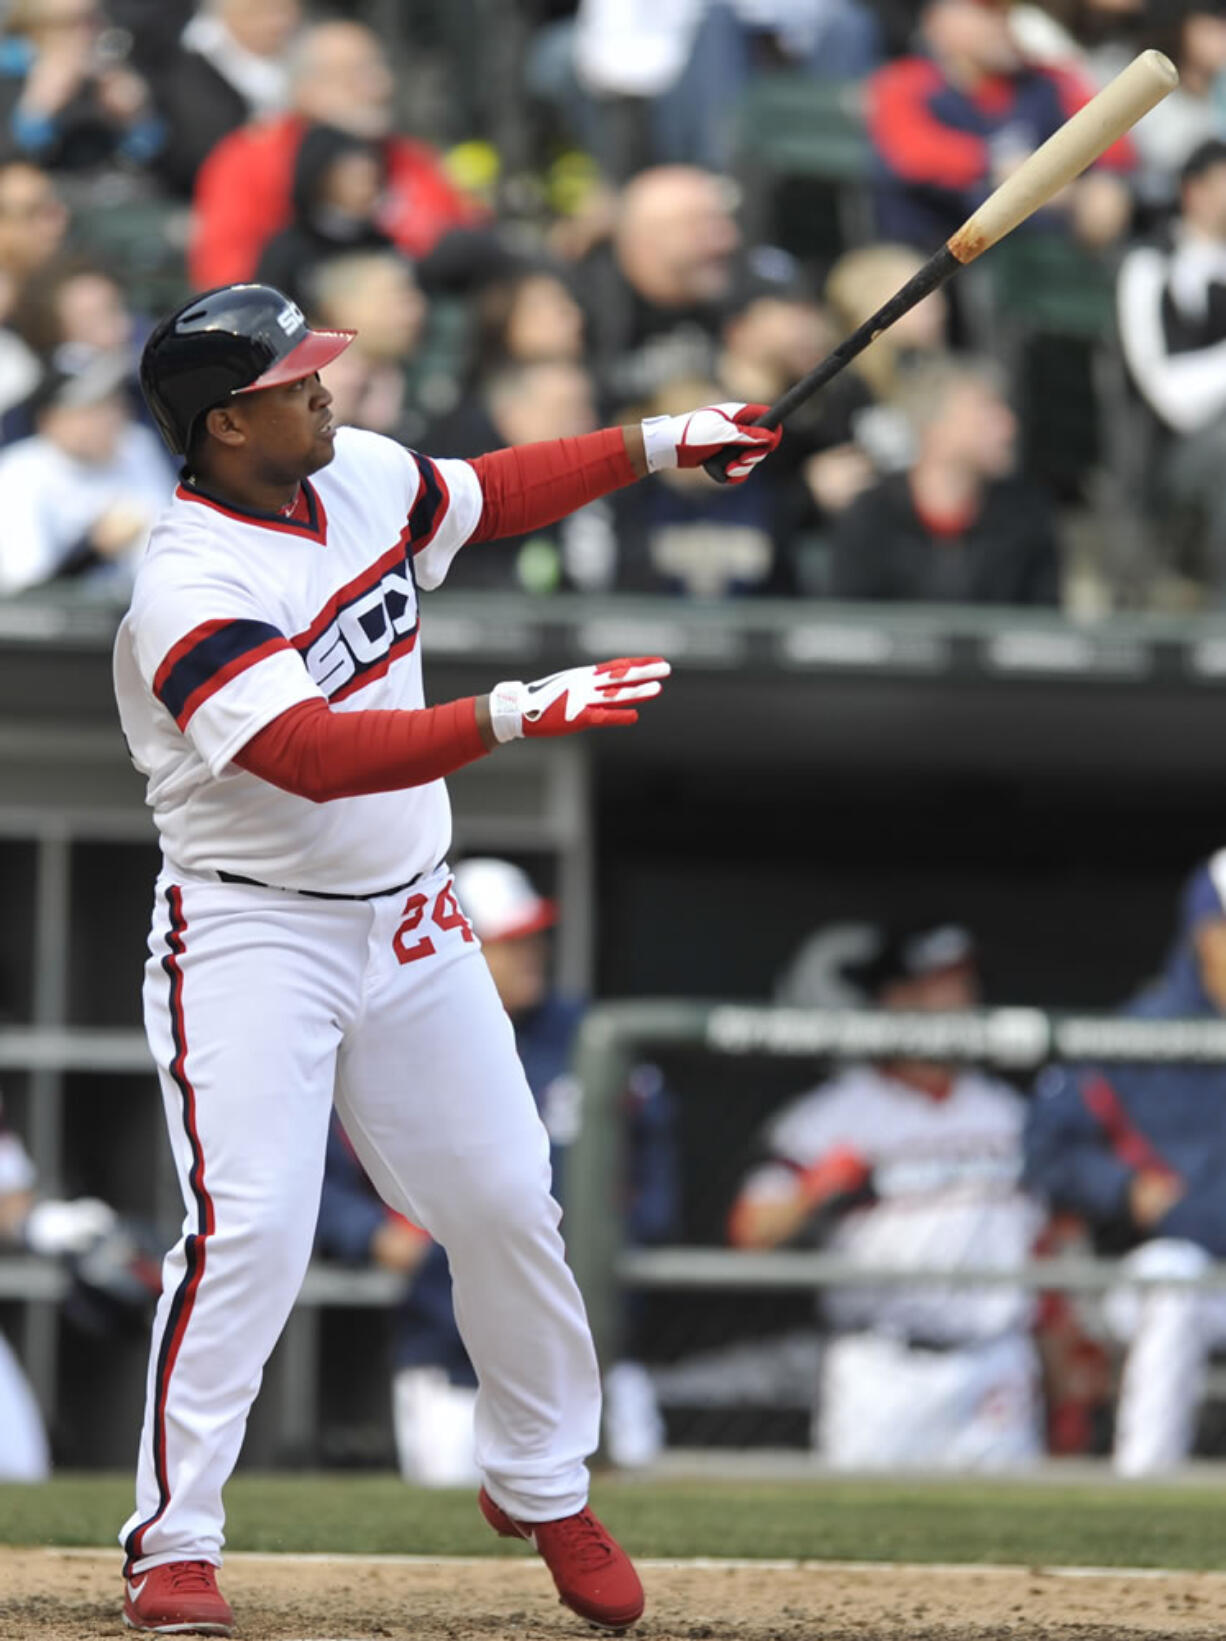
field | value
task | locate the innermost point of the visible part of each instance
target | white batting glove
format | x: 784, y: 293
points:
x: 580, y: 698
x: 691, y: 440
x: 57, y: 1228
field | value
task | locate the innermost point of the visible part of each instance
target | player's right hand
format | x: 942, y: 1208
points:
x: 580, y: 698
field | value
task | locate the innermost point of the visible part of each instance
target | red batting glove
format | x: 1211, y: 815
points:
x: 691, y: 440
x: 580, y: 698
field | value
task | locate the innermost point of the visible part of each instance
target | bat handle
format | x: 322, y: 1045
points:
x: 716, y: 467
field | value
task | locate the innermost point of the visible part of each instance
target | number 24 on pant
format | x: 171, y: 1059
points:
x: 445, y: 915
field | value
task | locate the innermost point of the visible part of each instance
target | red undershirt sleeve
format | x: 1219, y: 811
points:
x: 319, y: 754
x: 529, y: 486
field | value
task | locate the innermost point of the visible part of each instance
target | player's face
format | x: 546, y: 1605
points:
x: 289, y: 430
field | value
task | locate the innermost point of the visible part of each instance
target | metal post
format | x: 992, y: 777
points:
x: 593, y: 1183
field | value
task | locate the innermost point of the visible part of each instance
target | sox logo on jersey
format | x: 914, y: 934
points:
x: 368, y: 632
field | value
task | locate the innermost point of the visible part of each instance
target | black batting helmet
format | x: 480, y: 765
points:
x: 232, y: 340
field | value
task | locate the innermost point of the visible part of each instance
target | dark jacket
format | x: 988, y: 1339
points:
x: 314, y: 236
x: 938, y: 145
x: 1007, y: 555
x: 199, y: 107
x: 1091, y: 1128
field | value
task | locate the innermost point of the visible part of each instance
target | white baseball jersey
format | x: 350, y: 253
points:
x: 237, y: 616
x: 946, y: 1176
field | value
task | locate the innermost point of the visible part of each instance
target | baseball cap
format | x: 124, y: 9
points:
x: 915, y: 954
x: 500, y: 901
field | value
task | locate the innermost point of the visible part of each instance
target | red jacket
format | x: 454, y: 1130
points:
x: 243, y: 197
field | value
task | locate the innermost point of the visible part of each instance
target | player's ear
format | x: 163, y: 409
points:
x: 225, y: 426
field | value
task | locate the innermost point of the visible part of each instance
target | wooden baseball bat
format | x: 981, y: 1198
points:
x: 1065, y: 155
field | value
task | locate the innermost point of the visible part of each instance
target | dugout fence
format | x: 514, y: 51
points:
x: 764, y: 1056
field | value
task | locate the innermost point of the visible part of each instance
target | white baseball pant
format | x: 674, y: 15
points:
x: 1170, y: 1333
x: 886, y: 1406
x: 23, y: 1441
x: 259, y: 1004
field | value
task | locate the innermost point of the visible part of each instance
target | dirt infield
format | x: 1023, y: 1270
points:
x: 73, y: 1596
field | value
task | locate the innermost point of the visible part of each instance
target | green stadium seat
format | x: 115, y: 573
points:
x: 805, y: 160
x: 143, y: 241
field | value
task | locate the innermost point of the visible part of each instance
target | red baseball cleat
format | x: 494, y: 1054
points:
x: 178, y: 1598
x: 594, y: 1575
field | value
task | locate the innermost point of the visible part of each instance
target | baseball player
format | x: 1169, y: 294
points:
x: 306, y: 932
x: 911, y: 1165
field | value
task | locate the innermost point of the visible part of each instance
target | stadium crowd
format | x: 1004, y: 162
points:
x: 584, y: 219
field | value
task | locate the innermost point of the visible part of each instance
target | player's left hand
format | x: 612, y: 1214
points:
x: 691, y: 440
x: 580, y: 698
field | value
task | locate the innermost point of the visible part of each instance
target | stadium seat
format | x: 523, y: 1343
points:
x: 794, y: 130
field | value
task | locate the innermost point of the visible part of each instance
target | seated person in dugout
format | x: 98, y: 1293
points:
x: 916, y: 1165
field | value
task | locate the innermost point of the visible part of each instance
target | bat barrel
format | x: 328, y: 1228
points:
x: 1082, y: 138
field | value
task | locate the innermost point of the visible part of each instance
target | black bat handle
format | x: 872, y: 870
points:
x: 930, y: 277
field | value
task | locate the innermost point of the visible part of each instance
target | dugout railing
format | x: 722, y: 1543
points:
x: 1014, y: 1041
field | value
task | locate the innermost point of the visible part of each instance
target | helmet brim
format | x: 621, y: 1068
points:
x: 317, y: 349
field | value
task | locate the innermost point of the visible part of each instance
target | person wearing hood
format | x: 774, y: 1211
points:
x: 339, y: 181
x: 1139, y: 1152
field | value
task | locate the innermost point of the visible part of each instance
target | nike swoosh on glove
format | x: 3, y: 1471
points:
x: 691, y: 440
x: 580, y: 698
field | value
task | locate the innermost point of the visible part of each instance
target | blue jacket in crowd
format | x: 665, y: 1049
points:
x: 351, y: 1211
x: 1091, y: 1128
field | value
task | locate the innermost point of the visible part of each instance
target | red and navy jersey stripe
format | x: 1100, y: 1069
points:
x: 430, y: 505
x: 195, y: 1244
x: 208, y: 657
x: 216, y: 651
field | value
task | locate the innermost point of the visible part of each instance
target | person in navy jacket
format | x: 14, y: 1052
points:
x: 951, y: 122
x: 1139, y: 1152
x: 434, y: 1386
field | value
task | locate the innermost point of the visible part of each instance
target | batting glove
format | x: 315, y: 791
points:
x: 581, y: 698
x: 689, y: 441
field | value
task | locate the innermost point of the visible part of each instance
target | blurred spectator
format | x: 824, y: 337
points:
x: 69, y: 99
x: 33, y: 222
x: 910, y: 1164
x: 1193, y: 35
x: 339, y: 181
x: 1097, y: 38
x: 1172, y: 324
x: 959, y: 526
x: 690, y: 63
x: 654, y: 294
x: 77, y: 306
x: 434, y: 1388
x: 243, y: 193
x: 521, y: 403
x: 774, y: 332
x: 860, y: 281
x: 680, y: 532
x: 231, y: 66
x: 375, y: 294
x: 530, y: 315
x: 78, y: 498
x: 75, y: 303
x: 1139, y: 1151
x: 950, y: 125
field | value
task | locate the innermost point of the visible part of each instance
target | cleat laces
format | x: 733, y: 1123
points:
x: 191, y: 1576
x: 587, y: 1541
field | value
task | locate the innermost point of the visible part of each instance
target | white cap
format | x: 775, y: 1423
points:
x: 499, y: 900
